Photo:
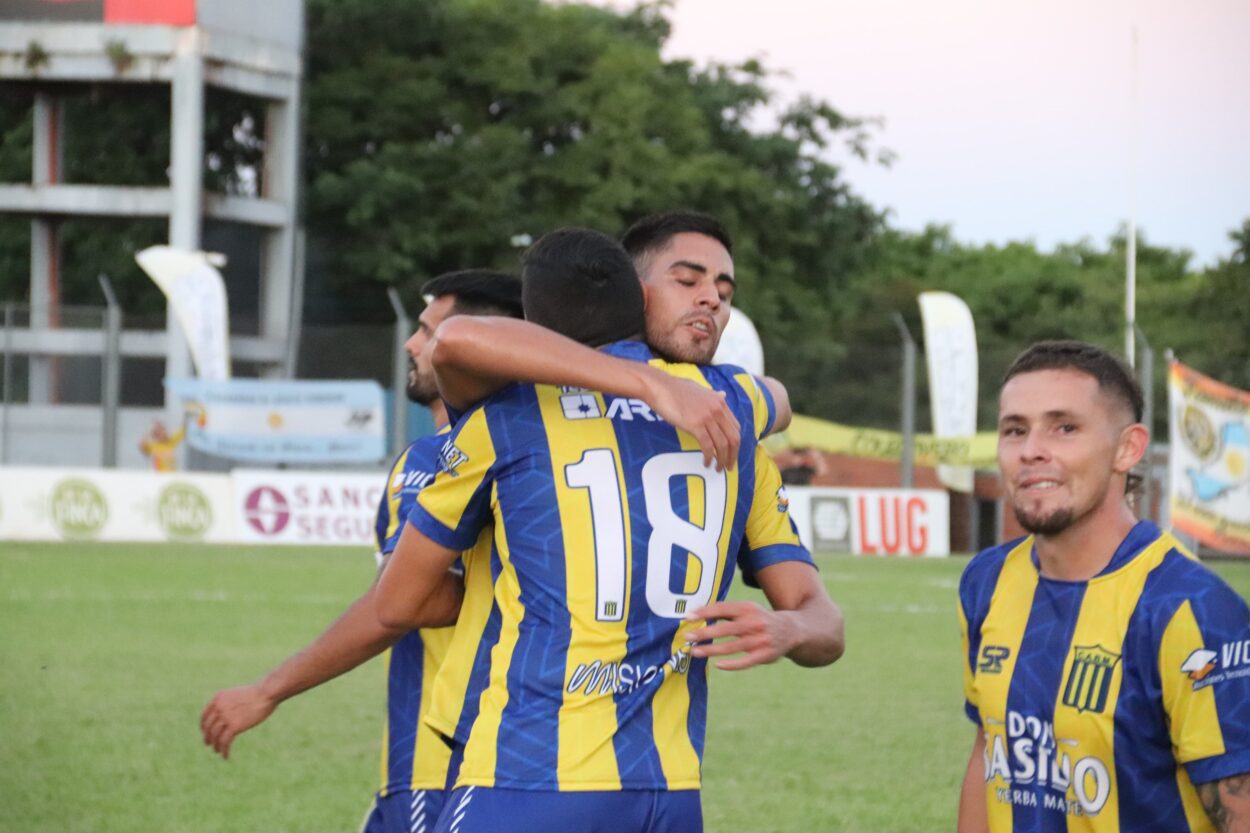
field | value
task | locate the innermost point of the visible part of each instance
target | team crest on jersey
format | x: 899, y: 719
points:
x: 1089, y: 681
x: 451, y: 458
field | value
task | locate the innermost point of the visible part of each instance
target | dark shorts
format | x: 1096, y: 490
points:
x: 492, y: 809
x: 405, y: 812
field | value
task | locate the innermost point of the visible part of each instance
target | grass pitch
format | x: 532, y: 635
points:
x: 108, y: 653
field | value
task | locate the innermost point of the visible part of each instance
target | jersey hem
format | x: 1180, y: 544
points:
x: 587, y: 786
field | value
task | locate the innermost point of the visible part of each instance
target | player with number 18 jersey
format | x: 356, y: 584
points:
x: 608, y: 530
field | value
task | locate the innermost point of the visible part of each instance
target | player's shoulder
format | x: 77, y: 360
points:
x: 1180, y: 577
x: 980, y: 574
x: 988, y: 563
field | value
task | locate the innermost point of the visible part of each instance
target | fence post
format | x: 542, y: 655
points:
x: 1146, y: 378
x: 399, y: 374
x: 110, y: 394
x: 8, y: 379
x: 908, y: 409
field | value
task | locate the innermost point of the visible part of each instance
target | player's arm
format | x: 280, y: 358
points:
x: 352, y: 639
x: 474, y: 356
x: 803, y: 625
x: 973, y: 817
x: 781, y: 403
x: 417, y: 587
x: 1227, y: 803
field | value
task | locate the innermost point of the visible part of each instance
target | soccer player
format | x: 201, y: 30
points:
x: 1106, y: 669
x: 611, y: 539
x: 414, y: 759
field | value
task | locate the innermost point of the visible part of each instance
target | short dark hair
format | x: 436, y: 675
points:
x: 582, y: 284
x: 1112, y: 374
x: 652, y: 233
x: 478, y: 292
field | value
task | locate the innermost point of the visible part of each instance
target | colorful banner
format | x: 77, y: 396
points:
x: 272, y: 421
x: 198, y: 296
x: 950, y: 349
x: 1209, y: 427
x: 979, y: 451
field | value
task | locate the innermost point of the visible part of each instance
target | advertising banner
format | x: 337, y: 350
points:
x: 979, y: 450
x: 197, y: 294
x: 950, y: 350
x: 271, y: 421
x: 66, y: 504
x: 290, y: 507
x: 1209, y: 424
x: 872, y: 521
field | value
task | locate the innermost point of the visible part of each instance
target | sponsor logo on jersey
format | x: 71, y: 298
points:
x: 598, y: 677
x: 1232, y: 660
x: 1089, y: 680
x: 580, y: 406
x: 410, y: 481
x: 1199, y: 664
x: 451, y: 458
x: 992, y: 658
x: 1037, y: 769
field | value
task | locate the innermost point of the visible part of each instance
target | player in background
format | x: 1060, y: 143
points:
x: 414, y: 759
x: 1106, y: 669
x: 594, y: 711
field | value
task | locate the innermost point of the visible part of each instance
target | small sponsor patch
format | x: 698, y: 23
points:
x: 451, y: 458
x: 1199, y: 664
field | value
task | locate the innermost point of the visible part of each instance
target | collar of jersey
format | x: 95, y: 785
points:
x: 636, y: 350
x: 1139, y: 537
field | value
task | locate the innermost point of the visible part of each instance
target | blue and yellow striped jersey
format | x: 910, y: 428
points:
x: 1104, y: 701
x: 608, y: 530
x: 413, y: 756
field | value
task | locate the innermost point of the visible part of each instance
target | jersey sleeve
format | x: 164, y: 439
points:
x: 763, y: 408
x: 1204, y: 673
x: 771, y: 536
x: 452, y: 510
x: 389, y: 523
x: 970, y: 639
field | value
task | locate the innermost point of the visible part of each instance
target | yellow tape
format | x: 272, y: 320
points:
x: 978, y: 451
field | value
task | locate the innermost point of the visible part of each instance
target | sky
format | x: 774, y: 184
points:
x: 1014, y: 119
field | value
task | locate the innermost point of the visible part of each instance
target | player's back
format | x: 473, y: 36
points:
x: 608, y: 532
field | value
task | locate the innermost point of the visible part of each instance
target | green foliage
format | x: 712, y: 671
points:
x: 446, y: 129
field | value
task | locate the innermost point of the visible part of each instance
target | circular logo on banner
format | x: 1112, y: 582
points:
x: 184, y: 512
x: 1199, y: 433
x: 267, y: 510
x: 79, y: 509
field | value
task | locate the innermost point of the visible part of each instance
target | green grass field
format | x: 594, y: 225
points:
x: 108, y: 653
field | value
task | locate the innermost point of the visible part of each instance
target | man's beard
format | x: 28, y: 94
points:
x: 1052, y: 524
x: 669, y: 346
x: 423, y: 391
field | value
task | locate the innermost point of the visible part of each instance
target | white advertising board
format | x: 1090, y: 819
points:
x: 306, y: 507
x: 71, y: 504
x: 872, y: 521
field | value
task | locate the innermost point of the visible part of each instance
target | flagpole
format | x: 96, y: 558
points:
x: 1130, y: 266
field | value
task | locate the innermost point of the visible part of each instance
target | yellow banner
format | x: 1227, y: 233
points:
x: 979, y: 451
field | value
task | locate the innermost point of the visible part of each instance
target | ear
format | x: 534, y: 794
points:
x: 1134, y: 441
x: 646, y: 294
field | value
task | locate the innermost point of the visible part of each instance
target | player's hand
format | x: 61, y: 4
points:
x: 760, y: 635
x: 699, y: 411
x: 231, y: 712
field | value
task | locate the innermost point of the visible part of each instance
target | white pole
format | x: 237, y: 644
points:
x: 1130, y: 266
